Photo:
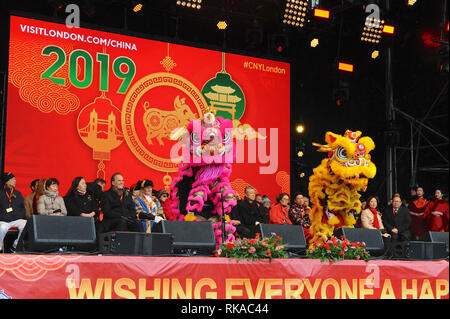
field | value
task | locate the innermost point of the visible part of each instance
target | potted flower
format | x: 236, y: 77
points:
x: 253, y: 249
x: 337, y: 249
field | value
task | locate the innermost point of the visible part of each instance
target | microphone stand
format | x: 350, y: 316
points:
x: 223, y: 220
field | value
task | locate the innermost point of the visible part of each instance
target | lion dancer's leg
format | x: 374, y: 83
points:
x: 321, y: 223
x: 183, y: 170
x: 222, y: 187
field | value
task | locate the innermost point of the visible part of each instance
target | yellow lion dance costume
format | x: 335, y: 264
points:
x: 335, y: 183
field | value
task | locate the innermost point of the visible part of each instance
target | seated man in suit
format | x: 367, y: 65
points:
x: 118, y: 208
x: 397, y: 221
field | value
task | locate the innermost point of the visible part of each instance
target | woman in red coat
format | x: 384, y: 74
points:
x: 279, y: 213
x: 437, y: 213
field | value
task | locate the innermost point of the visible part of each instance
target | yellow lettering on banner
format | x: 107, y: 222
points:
x: 165, y: 288
x: 122, y: 292
x: 363, y: 291
x: 426, y: 292
x: 441, y: 288
x: 154, y: 293
x: 269, y: 291
x: 387, y: 292
x: 85, y: 290
x: 297, y: 291
x: 330, y: 282
x: 205, y: 282
x: 347, y: 292
x: 249, y: 289
x: 312, y: 290
x: 177, y: 289
x: 409, y: 291
x: 107, y: 288
x: 230, y: 292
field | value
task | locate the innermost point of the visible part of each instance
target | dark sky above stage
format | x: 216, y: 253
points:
x: 417, y: 81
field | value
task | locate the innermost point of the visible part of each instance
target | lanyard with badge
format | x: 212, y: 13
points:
x: 10, y: 196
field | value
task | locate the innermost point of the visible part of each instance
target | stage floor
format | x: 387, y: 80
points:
x: 98, y: 277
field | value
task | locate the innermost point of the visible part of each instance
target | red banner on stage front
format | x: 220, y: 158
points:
x: 98, y: 277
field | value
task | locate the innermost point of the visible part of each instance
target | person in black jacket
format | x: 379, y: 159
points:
x: 81, y: 201
x: 397, y: 221
x: 248, y: 214
x: 118, y: 207
x: 12, y: 209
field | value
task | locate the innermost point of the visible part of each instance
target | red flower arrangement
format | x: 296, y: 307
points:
x: 253, y: 249
x: 337, y: 249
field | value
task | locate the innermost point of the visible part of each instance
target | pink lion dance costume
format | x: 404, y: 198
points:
x: 208, y: 151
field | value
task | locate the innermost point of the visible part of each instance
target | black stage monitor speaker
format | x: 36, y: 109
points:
x: 58, y: 233
x: 135, y: 244
x: 291, y: 235
x: 371, y: 237
x: 436, y: 237
x: 420, y: 250
x: 189, y: 236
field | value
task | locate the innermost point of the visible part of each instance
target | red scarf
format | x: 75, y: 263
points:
x: 376, y: 224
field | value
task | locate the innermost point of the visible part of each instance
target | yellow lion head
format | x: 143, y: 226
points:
x: 348, y: 156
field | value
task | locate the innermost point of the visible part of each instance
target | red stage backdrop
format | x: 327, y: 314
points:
x: 98, y: 277
x: 83, y: 102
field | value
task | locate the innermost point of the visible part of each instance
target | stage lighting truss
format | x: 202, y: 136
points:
x: 193, y: 4
x: 372, y: 31
x: 295, y: 13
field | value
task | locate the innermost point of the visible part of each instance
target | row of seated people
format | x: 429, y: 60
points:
x: 115, y: 209
x: 138, y: 209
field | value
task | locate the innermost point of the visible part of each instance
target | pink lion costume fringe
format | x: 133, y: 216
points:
x: 208, y: 151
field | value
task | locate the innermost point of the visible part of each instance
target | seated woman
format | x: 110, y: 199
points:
x: 371, y: 218
x: 50, y: 203
x: 279, y: 213
x: 148, y: 208
x: 166, y: 203
x: 79, y: 201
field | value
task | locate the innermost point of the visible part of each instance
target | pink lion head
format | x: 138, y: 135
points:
x: 210, y: 141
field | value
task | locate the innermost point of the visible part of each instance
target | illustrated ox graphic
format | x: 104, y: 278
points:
x: 160, y: 123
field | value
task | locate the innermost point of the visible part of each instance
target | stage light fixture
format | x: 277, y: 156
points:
x: 314, y: 42
x: 375, y: 54
x: 300, y: 154
x: 322, y: 13
x: 300, y: 128
x: 345, y: 67
x: 295, y: 13
x: 302, y: 174
x: 411, y: 2
x: 388, y: 29
x: 222, y: 25
x: 372, y: 30
x: 137, y: 7
x: 193, y: 4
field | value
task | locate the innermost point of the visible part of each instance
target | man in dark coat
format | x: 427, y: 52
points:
x: 248, y: 214
x: 12, y: 209
x: 118, y: 208
x: 397, y: 221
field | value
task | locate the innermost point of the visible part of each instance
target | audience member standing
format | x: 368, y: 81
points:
x: 417, y: 207
x: 118, y: 207
x: 12, y: 209
x: 51, y: 203
x: 437, y: 213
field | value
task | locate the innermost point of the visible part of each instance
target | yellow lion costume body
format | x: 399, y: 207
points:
x: 335, y: 183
